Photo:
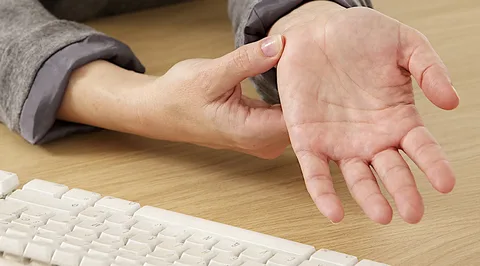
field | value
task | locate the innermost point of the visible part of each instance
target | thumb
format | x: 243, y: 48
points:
x: 431, y: 74
x: 250, y: 60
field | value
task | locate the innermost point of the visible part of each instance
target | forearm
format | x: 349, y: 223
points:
x: 103, y: 95
x: 39, y: 52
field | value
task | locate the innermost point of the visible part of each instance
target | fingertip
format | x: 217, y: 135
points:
x: 449, y: 100
x: 411, y: 207
x: 438, y: 88
x: 272, y: 46
x: 380, y: 212
x: 332, y: 208
x: 442, y: 176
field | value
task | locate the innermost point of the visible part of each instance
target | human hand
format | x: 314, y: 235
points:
x: 345, y: 84
x: 197, y: 101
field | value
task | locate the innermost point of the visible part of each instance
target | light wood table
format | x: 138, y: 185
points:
x: 269, y: 196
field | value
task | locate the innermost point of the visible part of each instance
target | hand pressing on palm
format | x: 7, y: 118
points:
x: 345, y: 85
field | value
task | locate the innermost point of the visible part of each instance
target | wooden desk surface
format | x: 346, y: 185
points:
x: 269, y: 196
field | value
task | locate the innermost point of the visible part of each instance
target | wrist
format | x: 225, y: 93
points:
x: 320, y: 11
x: 104, y: 95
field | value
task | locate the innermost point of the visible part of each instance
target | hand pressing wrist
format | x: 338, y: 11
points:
x: 198, y: 101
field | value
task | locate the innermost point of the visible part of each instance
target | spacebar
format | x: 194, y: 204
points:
x: 239, y: 234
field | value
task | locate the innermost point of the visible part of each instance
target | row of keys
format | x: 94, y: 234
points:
x: 73, y: 202
x: 49, y: 220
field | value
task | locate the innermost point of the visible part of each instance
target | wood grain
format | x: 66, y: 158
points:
x: 269, y: 196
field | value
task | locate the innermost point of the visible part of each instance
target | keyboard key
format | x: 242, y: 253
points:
x: 333, y: 257
x: 120, y: 220
x: 224, y: 259
x: 107, y: 243
x: 7, y: 217
x: 145, y: 239
x: 35, y: 199
x: 174, y: 233
x: 129, y: 259
x: 45, y: 187
x: 38, y: 251
x: 118, y: 205
x: 12, y: 208
x: 201, y: 240
x: 94, y: 214
x: 66, y: 257
x: 8, y: 182
x: 52, y: 228
x: 190, y: 262
x: 13, y: 245
x: 95, y: 261
x: 81, y: 196
x: 65, y: 221
x: 254, y: 263
x: 120, y: 234
x: 174, y: 246
x: 310, y: 263
x: 150, y: 261
x: 75, y: 244
x: 103, y: 252
x: 256, y: 254
x: 165, y: 255
x: 4, y: 227
x: 90, y: 227
x: 366, y: 262
x: 229, y: 247
x: 82, y: 235
x: 20, y: 231
x: 282, y: 259
x: 147, y: 227
x: 135, y: 249
x: 195, y: 253
x: 30, y: 223
x: 49, y: 238
x: 38, y: 214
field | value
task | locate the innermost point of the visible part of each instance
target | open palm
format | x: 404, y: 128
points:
x: 347, y: 97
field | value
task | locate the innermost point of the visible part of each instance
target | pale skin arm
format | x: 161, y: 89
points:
x: 198, y: 101
x: 104, y: 95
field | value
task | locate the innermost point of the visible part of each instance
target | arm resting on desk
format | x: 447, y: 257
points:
x: 39, y: 53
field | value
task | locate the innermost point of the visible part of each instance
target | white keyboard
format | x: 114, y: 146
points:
x: 44, y: 223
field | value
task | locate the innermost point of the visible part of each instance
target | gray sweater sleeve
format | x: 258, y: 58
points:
x: 38, y: 53
x: 252, y: 19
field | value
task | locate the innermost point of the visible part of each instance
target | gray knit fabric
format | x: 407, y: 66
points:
x: 42, y: 42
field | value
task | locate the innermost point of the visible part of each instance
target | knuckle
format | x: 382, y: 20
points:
x: 362, y: 180
x: 395, y: 171
x: 241, y: 59
x: 192, y: 71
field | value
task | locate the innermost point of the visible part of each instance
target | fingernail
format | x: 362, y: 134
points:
x: 333, y: 222
x: 272, y: 45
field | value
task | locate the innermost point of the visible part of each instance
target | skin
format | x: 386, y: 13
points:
x: 345, y: 83
x: 198, y: 101
x: 350, y: 100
